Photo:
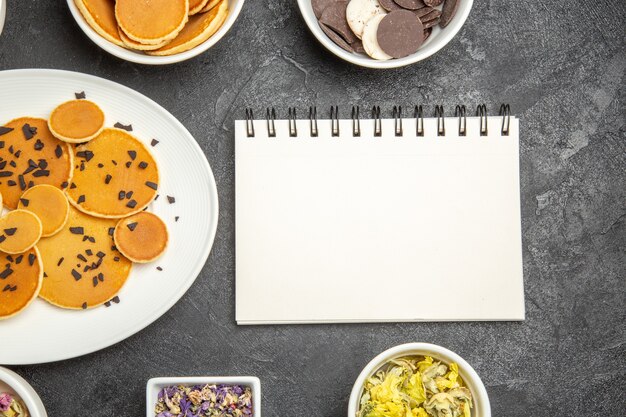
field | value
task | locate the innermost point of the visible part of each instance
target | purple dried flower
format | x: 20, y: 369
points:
x: 5, y: 401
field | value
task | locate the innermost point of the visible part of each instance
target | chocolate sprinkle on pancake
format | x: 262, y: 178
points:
x: 22, y: 283
x: 151, y: 22
x: 103, y: 199
x: 21, y: 229
x: 29, y: 132
x: 76, y: 121
x: 100, y: 15
x: 57, y: 155
x: 62, y: 288
x: 4, y: 130
x: 141, y: 237
x: 49, y: 204
x: 199, y: 28
x: 128, y: 128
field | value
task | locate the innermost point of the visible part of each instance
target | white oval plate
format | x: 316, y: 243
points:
x: 44, y: 333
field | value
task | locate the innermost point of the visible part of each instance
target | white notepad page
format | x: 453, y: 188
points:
x: 377, y: 229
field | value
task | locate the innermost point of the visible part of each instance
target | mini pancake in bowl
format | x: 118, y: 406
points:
x: 151, y: 22
x: 199, y: 28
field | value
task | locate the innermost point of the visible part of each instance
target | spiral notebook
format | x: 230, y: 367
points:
x: 378, y: 220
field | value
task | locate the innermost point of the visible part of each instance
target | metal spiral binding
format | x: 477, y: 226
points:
x: 270, y: 116
x: 356, y: 122
x: 461, y: 114
x: 441, y: 123
x: 505, y: 112
x: 249, y: 123
x: 397, y: 120
x: 419, y: 121
x: 334, y: 118
x: 481, y: 111
x: 378, y: 131
x: 293, y: 129
x: 313, y: 121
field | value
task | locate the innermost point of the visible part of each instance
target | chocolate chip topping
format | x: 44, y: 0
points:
x: 128, y: 128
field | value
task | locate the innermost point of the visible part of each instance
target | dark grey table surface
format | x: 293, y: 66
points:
x: 561, y: 66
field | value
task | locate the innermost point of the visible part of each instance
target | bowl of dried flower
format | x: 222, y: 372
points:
x: 238, y: 396
x: 418, y: 380
x: 17, y: 397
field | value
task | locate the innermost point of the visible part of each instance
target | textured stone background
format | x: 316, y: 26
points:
x: 560, y: 64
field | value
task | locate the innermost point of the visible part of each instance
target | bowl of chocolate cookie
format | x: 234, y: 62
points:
x: 384, y: 33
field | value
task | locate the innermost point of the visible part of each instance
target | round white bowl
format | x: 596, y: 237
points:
x: 23, y: 389
x: 482, y: 407
x: 3, y: 13
x: 437, y: 40
x: 141, y: 58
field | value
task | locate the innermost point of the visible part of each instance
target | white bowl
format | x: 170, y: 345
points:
x: 19, y: 386
x: 482, y: 407
x: 3, y: 13
x: 141, y: 58
x: 156, y: 384
x: 437, y: 40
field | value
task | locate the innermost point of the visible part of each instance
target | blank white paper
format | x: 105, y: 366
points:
x: 369, y: 229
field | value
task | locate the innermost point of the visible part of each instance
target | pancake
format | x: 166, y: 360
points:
x: 116, y: 175
x: 151, y: 21
x: 100, y: 15
x: 196, y: 6
x: 141, y: 237
x: 83, y: 270
x: 30, y: 155
x: 131, y: 44
x: 20, y: 230
x: 76, y: 121
x: 199, y: 28
x: 20, y: 281
x: 49, y: 204
x: 211, y: 4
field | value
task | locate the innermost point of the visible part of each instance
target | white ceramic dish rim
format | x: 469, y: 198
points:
x: 23, y: 389
x: 430, y: 48
x: 118, y: 337
x: 468, y: 373
x: 155, y: 384
x: 141, y: 58
x: 3, y: 13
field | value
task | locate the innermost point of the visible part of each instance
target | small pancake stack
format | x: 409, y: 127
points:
x: 156, y: 27
x: 77, y: 192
